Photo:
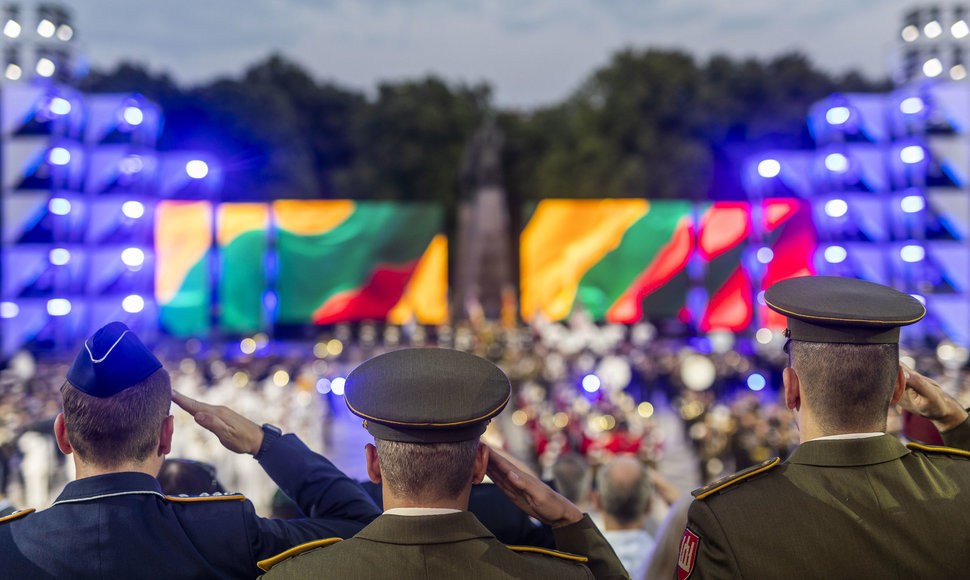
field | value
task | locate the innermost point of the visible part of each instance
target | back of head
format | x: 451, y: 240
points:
x: 570, y: 474
x: 115, y: 398
x: 844, y: 346
x: 427, y: 472
x: 110, y: 431
x: 624, y: 490
x: 848, y: 386
x: 427, y: 408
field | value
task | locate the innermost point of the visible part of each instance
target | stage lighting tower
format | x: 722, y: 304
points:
x: 933, y: 41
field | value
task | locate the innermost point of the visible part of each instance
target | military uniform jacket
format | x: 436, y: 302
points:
x: 120, y: 525
x: 451, y: 546
x: 851, y: 508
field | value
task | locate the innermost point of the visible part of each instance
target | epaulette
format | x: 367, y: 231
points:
x: 724, y: 482
x: 268, y: 563
x: 207, y: 497
x: 548, y: 552
x: 938, y: 449
x: 16, y: 515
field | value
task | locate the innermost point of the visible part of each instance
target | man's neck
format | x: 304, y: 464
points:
x: 393, y: 501
x: 610, y: 523
x: 84, y: 469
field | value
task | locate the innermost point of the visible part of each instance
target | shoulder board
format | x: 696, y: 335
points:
x: 548, y: 552
x: 268, y: 563
x: 16, y: 515
x: 724, y: 482
x: 208, y: 497
x: 938, y: 450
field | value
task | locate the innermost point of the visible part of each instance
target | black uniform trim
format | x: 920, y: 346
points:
x: 268, y: 563
x: 548, y: 552
x: 724, y: 482
x: 937, y: 449
x: 16, y: 515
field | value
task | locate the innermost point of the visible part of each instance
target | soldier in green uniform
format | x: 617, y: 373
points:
x: 850, y: 501
x: 427, y: 409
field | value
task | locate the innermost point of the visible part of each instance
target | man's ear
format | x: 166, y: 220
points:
x: 373, y: 463
x: 793, y: 393
x: 900, y: 387
x: 165, y: 437
x: 481, y: 463
x: 60, y: 435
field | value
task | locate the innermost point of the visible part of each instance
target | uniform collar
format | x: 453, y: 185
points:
x: 111, y: 484
x: 404, y: 530
x: 848, y: 452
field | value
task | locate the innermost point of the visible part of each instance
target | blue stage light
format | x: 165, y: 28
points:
x: 912, y: 203
x: 59, y: 256
x: 133, y: 304
x: 912, y: 253
x: 591, y: 383
x: 58, y: 307
x: 836, y: 162
x: 60, y: 106
x: 836, y: 207
x: 59, y: 206
x: 132, y: 257
x: 131, y: 165
x: 9, y: 310
x: 765, y: 255
x: 835, y: 254
x: 323, y: 386
x: 756, y: 381
x: 912, y: 154
x: 837, y: 115
x: 197, y: 169
x: 133, y: 116
x: 337, y: 386
x: 911, y: 105
x: 59, y: 156
x: 133, y: 209
x: 768, y: 168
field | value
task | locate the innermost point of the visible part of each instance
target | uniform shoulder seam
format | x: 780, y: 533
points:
x: 268, y: 563
x: 548, y: 552
x: 196, y: 498
x: 938, y: 449
x: 724, y: 482
x: 17, y: 515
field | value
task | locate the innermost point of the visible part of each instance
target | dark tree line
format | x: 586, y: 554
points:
x: 649, y: 123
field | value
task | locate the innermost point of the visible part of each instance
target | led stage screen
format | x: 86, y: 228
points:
x: 626, y: 260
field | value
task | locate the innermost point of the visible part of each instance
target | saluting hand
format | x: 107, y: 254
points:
x: 925, y: 397
x: 530, y: 494
x: 235, y: 432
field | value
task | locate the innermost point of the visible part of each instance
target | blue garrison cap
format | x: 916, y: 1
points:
x: 427, y: 395
x: 111, y: 361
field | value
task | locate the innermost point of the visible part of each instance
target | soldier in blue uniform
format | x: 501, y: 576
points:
x: 850, y: 501
x: 114, y: 522
x: 427, y: 409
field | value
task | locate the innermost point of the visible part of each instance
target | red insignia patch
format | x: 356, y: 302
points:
x: 687, y: 555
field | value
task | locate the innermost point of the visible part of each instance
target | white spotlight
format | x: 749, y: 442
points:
x: 133, y: 304
x: 912, y: 203
x: 45, y: 67
x: 835, y: 254
x: 65, y: 32
x: 933, y: 67
x: 911, y: 154
x: 836, y: 162
x: 46, y: 28
x: 912, y: 253
x: 59, y: 256
x: 933, y: 29
x: 769, y: 168
x: 12, y: 29
x: 836, y: 207
x: 13, y: 72
x: 197, y: 169
x: 837, y: 115
x: 911, y: 105
x: 959, y: 29
x: 59, y: 206
x: 958, y: 72
x: 133, y: 257
x: 58, y: 307
x: 910, y: 33
x: 133, y: 209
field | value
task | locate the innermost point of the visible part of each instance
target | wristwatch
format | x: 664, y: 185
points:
x: 270, y: 434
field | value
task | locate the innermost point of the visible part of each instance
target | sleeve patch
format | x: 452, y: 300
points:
x: 687, y: 555
x: 195, y: 498
x: 938, y: 450
x: 268, y: 563
x: 16, y: 515
x: 724, y: 482
x: 548, y: 552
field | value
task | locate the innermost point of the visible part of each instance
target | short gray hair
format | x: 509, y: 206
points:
x: 624, y: 489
